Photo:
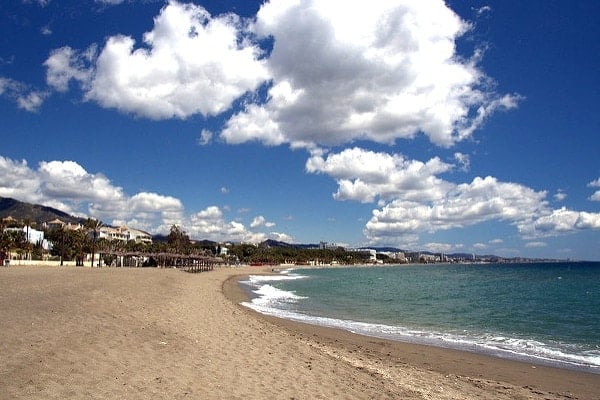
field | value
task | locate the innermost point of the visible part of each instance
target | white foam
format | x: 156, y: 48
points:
x: 270, y: 295
x: 255, y: 280
x: 521, y: 349
x: 267, y: 294
x: 280, y: 303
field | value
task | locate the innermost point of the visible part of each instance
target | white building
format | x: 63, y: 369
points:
x: 32, y: 236
x: 124, y: 234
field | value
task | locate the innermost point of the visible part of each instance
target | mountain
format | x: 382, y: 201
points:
x: 36, y: 213
x: 270, y: 243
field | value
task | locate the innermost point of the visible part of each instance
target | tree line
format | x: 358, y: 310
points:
x: 76, y: 244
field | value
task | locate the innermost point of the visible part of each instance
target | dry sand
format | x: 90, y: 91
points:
x: 163, y: 334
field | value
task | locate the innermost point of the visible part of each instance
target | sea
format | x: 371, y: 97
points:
x: 542, y: 313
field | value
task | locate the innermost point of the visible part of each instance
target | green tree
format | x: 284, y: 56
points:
x: 178, y: 240
x: 5, y: 242
x: 27, y: 244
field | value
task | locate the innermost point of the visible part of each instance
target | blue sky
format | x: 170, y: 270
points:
x: 458, y: 126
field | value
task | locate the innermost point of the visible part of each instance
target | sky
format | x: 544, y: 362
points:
x: 458, y: 126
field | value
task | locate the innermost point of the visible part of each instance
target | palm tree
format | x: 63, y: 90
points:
x: 61, y: 235
x: 4, y: 242
x: 93, y: 226
x: 27, y: 223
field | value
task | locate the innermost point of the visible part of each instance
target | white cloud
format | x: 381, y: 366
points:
x: 66, y: 185
x: 31, y: 101
x: 354, y: 70
x: 43, y: 3
x: 559, y: 221
x: 560, y: 195
x: 66, y: 64
x: 363, y: 175
x: 463, y: 161
x: 595, y: 184
x: 26, y: 98
x: 261, y: 221
x: 205, y: 137
x: 190, y: 63
x: 281, y: 237
x: 68, y: 180
x: 438, y: 247
x: 257, y: 221
x: 483, y: 10
x: 18, y: 181
x: 210, y: 224
x: 482, y: 200
x: 535, y: 244
x: 110, y: 2
x: 413, y: 199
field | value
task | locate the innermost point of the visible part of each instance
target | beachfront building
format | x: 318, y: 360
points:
x: 31, y: 235
x: 398, y: 256
x: 372, y: 254
x: 124, y: 234
x: 57, y: 224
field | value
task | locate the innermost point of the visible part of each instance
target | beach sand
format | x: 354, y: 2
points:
x: 164, y: 334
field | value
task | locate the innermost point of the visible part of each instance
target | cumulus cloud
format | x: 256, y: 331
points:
x: 595, y: 184
x: 68, y: 180
x: 281, y: 237
x: 190, y: 63
x: 413, y: 198
x: 380, y: 71
x: 261, y: 221
x: 210, y: 224
x: 481, y: 200
x: 19, y: 181
x: 66, y: 185
x: 560, y: 221
x: 363, y: 175
x: 66, y: 64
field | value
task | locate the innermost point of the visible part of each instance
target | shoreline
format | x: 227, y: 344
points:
x: 138, y: 333
x: 449, y: 362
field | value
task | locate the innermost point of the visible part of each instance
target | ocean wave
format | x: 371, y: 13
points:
x: 268, y: 295
x: 527, y: 350
x: 287, y: 275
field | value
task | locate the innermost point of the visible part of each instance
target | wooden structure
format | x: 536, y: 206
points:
x: 184, y: 262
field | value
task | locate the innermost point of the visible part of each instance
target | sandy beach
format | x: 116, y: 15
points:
x: 164, y: 334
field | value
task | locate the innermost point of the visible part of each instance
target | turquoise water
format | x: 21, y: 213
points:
x: 541, y: 313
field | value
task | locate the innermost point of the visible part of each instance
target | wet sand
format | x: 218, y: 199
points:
x: 164, y: 334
